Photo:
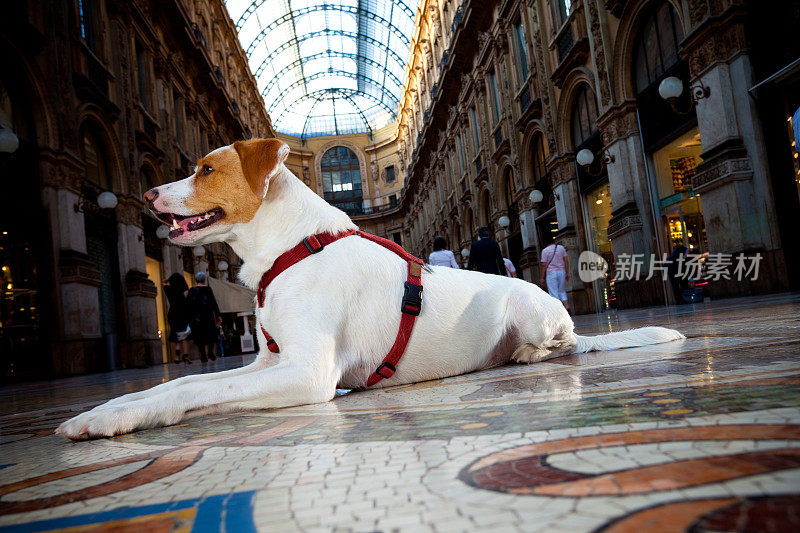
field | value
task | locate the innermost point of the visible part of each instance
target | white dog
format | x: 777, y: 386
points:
x: 335, y: 314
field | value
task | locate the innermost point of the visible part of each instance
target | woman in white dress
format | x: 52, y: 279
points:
x: 440, y: 256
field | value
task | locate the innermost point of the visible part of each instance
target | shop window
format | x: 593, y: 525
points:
x: 95, y: 160
x: 599, y: 210
x: 341, y: 179
x: 460, y: 150
x: 675, y: 165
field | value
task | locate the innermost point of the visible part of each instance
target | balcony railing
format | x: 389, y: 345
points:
x: 498, y: 137
x: 459, y: 15
x: 525, y: 98
x: 372, y: 210
x: 565, y: 43
x: 445, y: 57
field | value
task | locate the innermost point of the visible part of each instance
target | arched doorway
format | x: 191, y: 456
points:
x: 595, y: 189
x: 341, y: 180
x: 26, y: 259
x: 101, y: 242
x: 671, y: 140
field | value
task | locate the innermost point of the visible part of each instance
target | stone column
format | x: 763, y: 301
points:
x: 77, y: 343
x: 140, y: 346
x: 529, y: 261
x: 733, y: 179
x: 631, y: 227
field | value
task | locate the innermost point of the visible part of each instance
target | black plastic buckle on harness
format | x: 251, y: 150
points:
x: 313, y: 245
x: 389, y: 366
x: 412, y: 299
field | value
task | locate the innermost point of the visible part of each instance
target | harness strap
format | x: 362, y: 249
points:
x: 412, y: 297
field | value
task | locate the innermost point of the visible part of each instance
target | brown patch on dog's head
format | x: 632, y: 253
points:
x: 236, y: 178
x: 260, y: 158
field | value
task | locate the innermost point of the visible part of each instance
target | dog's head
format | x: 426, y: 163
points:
x: 227, y: 188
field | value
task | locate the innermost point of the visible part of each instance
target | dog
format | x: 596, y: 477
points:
x: 334, y: 315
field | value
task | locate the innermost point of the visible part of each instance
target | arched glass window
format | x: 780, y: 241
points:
x: 146, y: 180
x: 656, y: 48
x: 539, y: 158
x: 341, y: 179
x: 95, y: 159
x: 584, y: 116
x: 511, y: 187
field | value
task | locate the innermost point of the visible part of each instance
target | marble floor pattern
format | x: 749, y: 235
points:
x: 700, y: 435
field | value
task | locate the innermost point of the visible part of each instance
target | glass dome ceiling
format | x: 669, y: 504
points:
x: 327, y: 68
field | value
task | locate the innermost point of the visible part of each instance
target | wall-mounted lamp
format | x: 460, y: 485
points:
x: 9, y: 142
x: 162, y: 232
x: 536, y: 196
x: 198, y: 251
x: 586, y: 157
x: 465, y: 253
x: 671, y: 88
x: 222, y: 266
x: 504, y: 221
x: 105, y: 200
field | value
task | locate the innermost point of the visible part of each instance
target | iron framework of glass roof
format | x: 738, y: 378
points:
x: 327, y: 68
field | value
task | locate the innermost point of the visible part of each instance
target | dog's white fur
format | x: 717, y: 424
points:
x: 336, y: 314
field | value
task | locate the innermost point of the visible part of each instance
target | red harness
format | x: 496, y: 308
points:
x: 412, y: 297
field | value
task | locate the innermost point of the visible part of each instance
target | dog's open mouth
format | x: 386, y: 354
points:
x: 178, y: 224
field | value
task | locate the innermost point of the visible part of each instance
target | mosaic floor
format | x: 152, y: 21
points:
x: 700, y: 435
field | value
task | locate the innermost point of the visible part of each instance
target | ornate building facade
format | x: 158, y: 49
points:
x: 500, y: 96
x: 107, y: 96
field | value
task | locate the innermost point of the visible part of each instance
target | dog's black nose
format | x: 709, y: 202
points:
x: 150, y: 196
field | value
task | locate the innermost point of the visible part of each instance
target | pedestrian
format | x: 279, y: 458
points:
x: 485, y: 255
x: 510, y: 268
x: 205, y: 315
x: 554, y: 270
x: 176, y: 289
x: 678, y: 284
x: 441, y: 256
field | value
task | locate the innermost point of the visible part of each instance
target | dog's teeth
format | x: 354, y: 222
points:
x: 175, y: 224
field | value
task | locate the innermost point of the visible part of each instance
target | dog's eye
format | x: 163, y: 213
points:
x: 206, y: 170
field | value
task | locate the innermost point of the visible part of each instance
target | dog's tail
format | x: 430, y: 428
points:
x: 627, y: 339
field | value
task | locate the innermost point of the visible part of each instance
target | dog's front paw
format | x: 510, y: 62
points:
x: 102, y: 421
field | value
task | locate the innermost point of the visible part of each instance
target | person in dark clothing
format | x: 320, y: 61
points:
x: 485, y: 255
x: 176, y: 288
x: 678, y: 284
x: 205, y: 317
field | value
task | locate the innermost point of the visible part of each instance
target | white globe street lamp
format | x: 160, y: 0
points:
x: 465, y: 253
x: 504, y: 221
x: 9, y: 142
x: 670, y: 88
x: 222, y: 266
x: 107, y: 200
x: 198, y: 251
x: 585, y: 157
x: 536, y: 196
x: 162, y: 232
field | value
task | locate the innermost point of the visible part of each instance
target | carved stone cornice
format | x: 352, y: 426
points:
x: 138, y: 284
x: 717, y: 40
x: 129, y: 210
x: 619, y: 122
x: 722, y: 165
x: 77, y: 267
x: 60, y: 170
x: 561, y: 169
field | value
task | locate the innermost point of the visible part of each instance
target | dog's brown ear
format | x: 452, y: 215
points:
x: 260, y: 158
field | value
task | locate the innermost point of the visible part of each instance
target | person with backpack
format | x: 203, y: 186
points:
x: 554, y: 271
x: 485, y: 255
x: 205, y: 317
